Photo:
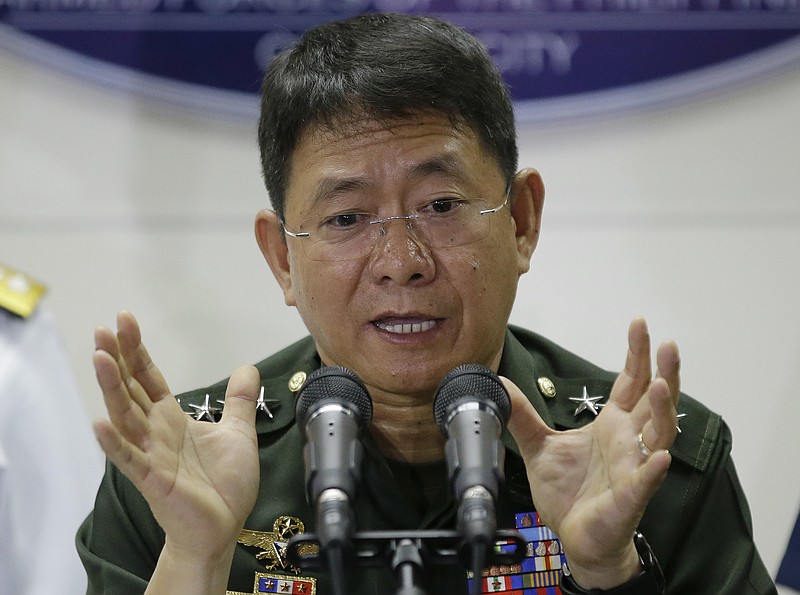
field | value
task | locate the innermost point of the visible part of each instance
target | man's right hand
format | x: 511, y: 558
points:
x: 200, y: 479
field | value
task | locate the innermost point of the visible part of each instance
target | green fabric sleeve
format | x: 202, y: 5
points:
x: 120, y: 541
x: 715, y: 552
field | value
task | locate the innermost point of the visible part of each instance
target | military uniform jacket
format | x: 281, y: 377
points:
x: 698, y: 523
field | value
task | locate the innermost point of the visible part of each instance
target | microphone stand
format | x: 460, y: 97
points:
x: 335, y: 521
x: 407, y: 567
x: 407, y: 553
x: 471, y: 408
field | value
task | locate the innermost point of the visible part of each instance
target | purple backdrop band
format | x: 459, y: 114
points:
x: 560, y: 57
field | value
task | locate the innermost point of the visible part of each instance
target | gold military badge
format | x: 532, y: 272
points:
x: 273, y: 543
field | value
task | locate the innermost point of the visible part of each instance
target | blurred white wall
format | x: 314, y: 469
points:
x: 687, y: 215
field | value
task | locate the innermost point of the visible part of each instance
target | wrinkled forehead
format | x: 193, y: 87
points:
x: 360, y: 121
x: 367, y: 156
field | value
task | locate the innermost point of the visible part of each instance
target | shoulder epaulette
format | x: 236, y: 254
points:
x: 19, y: 293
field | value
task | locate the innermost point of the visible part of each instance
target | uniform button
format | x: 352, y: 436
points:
x: 296, y: 381
x: 546, y: 386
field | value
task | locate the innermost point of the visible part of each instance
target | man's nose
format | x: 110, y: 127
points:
x: 400, y: 254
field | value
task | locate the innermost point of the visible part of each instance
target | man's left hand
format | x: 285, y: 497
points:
x: 591, y: 485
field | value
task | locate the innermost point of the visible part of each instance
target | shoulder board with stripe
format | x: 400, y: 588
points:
x: 19, y: 293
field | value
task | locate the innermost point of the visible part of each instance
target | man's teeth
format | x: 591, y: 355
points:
x: 417, y: 327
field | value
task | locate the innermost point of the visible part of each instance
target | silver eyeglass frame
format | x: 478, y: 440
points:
x: 409, y: 218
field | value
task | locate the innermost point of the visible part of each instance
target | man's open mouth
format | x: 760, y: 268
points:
x: 405, y: 328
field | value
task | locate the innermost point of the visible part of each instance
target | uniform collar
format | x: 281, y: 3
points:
x: 520, y: 366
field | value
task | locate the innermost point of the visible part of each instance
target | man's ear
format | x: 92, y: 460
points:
x: 271, y: 240
x: 526, y: 209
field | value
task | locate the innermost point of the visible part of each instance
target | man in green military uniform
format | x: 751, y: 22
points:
x: 399, y: 231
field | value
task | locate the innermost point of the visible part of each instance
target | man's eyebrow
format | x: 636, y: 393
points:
x: 444, y: 164
x: 330, y: 188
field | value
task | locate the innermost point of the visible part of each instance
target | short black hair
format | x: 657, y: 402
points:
x: 385, y: 67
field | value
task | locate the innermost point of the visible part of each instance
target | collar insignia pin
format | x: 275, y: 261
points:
x: 587, y: 403
x: 264, y: 404
x: 678, y: 422
x: 204, y: 411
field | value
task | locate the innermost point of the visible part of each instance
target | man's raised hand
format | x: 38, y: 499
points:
x: 199, y: 478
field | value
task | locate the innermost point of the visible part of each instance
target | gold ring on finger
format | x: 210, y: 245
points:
x: 643, y: 448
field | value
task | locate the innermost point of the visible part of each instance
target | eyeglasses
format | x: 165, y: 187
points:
x: 440, y: 223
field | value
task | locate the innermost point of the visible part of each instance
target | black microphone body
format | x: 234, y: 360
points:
x: 332, y: 409
x: 471, y: 408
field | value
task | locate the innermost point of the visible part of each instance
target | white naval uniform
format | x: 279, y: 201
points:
x: 50, y: 464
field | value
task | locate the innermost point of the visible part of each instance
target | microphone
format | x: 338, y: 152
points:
x: 333, y: 408
x: 471, y: 408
